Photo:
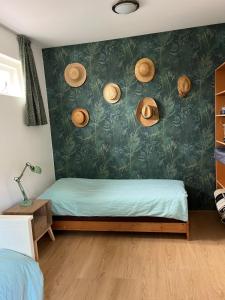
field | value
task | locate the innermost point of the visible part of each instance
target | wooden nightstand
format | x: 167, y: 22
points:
x: 42, y: 219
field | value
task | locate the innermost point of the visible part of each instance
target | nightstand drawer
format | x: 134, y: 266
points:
x: 40, y: 225
x: 41, y: 221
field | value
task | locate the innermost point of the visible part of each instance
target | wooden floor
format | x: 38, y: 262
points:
x: 109, y: 266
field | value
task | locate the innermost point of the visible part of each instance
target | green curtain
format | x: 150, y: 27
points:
x: 34, y: 111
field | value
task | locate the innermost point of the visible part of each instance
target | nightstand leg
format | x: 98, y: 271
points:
x: 51, y: 234
x: 36, y: 251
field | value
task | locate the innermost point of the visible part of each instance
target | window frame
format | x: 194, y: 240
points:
x: 13, y: 67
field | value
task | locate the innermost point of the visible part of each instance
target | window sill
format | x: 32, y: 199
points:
x: 10, y: 96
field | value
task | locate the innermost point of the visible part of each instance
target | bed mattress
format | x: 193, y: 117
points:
x: 20, y: 277
x: 118, y: 198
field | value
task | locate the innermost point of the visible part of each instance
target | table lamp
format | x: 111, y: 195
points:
x: 35, y: 169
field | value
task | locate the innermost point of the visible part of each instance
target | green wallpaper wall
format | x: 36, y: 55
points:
x: 114, y: 144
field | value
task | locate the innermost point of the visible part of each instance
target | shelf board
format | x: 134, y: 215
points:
x: 219, y: 142
x: 220, y: 115
x: 221, y: 93
x: 220, y: 184
x: 221, y: 67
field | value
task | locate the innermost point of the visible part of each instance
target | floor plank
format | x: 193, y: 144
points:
x: 122, y: 266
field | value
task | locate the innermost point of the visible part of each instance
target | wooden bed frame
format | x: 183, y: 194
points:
x: 126, y: 224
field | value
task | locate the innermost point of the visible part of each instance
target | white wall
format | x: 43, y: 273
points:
x: 18, y: 143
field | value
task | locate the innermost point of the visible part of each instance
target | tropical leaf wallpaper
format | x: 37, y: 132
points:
x: 114, y: 144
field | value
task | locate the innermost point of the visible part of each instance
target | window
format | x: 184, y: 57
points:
x: 10, y: 76
x: 4, y: 81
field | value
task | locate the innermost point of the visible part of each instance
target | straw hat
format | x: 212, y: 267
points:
x: 147, y: 112
x: 183, y: 86
x: 75, y: 74
x: 111, y: 92
x: 144, y: 70
x: 80, y: 117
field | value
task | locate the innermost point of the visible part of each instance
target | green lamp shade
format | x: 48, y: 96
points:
x: 36, y: 169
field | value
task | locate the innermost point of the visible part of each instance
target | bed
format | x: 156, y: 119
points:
x: 20, y: 275
x: 148, y: 205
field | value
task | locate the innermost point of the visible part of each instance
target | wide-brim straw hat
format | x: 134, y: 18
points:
x: 144, y: 70
x: 147, y: 112
x: 111, y: 92
x: 183, y: 85
x: 75, y: 74
x: 80, y: 117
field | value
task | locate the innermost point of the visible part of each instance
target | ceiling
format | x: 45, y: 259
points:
x: 65, y: 22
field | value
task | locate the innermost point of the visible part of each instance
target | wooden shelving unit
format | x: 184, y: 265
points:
x: 219, y: 121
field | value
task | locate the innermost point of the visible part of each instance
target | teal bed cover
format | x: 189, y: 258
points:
x: 118, y: 198
x: 20, y: 277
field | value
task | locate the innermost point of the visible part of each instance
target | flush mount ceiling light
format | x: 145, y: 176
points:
x: 125, y: 7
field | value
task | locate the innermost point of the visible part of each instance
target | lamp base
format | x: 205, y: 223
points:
x: 27, y: 202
